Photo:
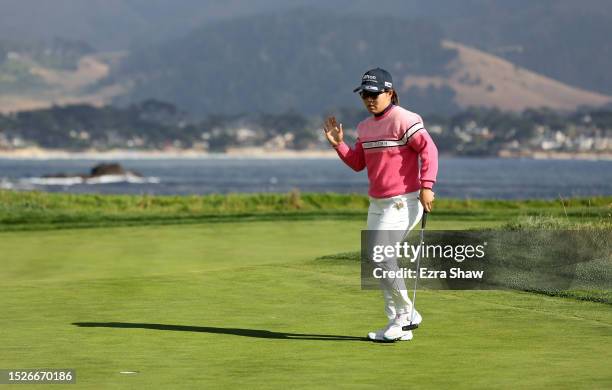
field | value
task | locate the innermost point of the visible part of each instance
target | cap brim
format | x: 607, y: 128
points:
x: 371, y: 88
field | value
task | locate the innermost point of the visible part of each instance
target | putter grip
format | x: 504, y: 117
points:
x: 424, y: 220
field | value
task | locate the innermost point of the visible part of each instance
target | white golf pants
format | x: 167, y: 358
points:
x: 398, y: 213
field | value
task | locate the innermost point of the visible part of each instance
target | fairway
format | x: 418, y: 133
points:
x: 228, y: 305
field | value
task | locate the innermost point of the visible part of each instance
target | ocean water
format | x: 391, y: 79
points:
x: 473, y: 178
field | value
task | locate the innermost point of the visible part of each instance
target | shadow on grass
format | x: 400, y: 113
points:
x: 257, y: 333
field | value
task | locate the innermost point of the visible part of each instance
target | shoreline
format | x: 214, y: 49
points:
x: 35, y: 153
x: 185, y: 154
x: 542, y: 155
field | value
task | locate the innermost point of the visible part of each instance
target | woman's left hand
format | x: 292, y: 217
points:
x: 426, y: 197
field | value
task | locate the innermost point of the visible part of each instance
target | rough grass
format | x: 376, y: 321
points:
x: 593, y: 266
x: 40, y: 210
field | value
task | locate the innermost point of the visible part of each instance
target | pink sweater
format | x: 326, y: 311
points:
x: 390, y: 147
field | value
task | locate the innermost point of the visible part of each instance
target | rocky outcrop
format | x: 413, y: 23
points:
x: 111, y: 169
x: 104, y: 169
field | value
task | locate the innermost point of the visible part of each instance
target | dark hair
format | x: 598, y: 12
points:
x: 394, y: 97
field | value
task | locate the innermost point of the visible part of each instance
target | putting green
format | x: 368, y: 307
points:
x: 247, y: 304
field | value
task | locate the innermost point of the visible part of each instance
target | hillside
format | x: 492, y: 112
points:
x: 42, y: 86
x: 311, y: 67
x: 562, y: 39
x: 566, y: 40
x: 481, y: 79
x: 280, y: 62
x: 470, y: 78
x: 305, y: 60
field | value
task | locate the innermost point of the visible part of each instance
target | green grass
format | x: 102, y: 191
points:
x: 39, y: 210
x: 252, y: 305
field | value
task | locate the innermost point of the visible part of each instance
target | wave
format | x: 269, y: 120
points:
x: 32, y: 182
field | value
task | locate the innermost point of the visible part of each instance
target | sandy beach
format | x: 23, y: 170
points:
x: 33, y: 153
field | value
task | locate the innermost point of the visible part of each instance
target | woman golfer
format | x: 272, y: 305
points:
x: 390, y: 144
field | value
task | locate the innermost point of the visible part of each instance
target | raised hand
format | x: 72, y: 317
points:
x: 333, y: 131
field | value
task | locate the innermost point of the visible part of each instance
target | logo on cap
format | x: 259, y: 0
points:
x: 375, y: 80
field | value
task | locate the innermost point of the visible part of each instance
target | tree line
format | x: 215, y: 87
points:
x: 154, y: 124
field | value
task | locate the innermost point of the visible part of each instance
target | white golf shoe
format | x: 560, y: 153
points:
x: 379, y: 335
x: 394, y: 330
x: 396, y: 334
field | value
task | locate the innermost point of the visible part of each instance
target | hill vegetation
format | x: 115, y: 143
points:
x: 298, y: 61
x: 156, y: 125
x: 562, y: 39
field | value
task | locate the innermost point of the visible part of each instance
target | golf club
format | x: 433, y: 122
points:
x: 412, y: 326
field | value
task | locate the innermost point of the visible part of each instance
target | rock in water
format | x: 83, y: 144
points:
x: 107, y: 169
x: 111, y: 169
x: 97, y: 175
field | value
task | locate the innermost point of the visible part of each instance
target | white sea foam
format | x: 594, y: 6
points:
x: 127, y: 178
x: 5, y: 184
x: 52, y: 181
x: 74, y: 180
